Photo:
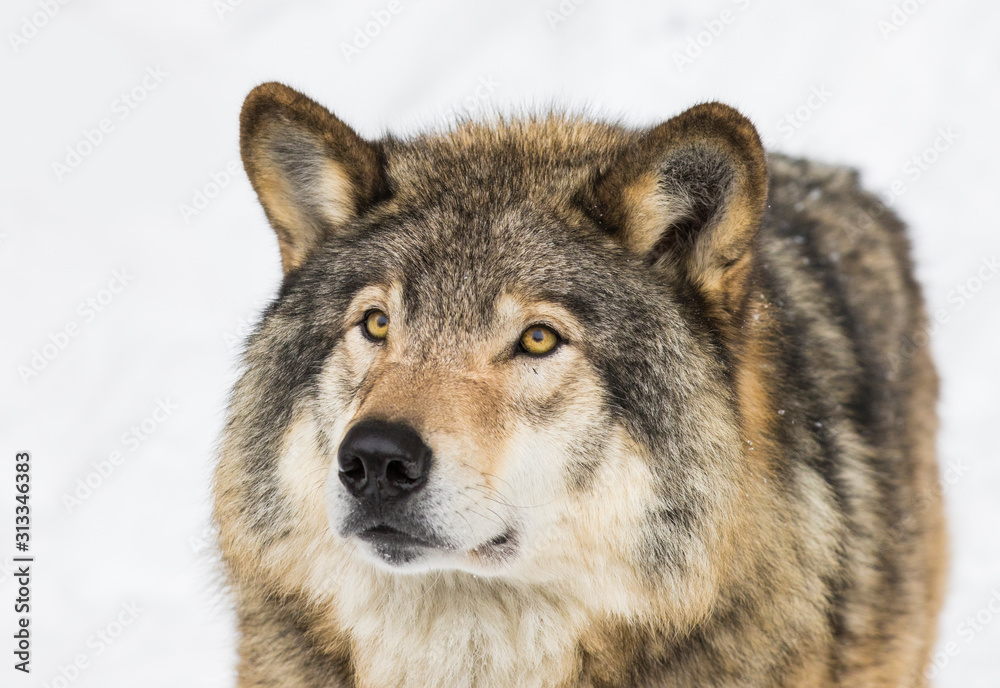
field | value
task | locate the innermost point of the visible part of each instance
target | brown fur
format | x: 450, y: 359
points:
x: 723, y: 476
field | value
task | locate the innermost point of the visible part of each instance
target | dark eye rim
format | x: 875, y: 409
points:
x: 560, y: 341
x: 364, y: 325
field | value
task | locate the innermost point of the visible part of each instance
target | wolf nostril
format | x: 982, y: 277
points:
x: 396, y: 472
x: 353, y: 470
x: 383, y: 461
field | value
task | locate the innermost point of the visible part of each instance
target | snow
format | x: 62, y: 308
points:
x: 157, y: 350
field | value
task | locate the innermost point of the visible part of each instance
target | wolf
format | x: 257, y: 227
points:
x: 548, y: 401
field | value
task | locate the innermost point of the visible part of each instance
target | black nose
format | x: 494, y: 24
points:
x: 383, y: 461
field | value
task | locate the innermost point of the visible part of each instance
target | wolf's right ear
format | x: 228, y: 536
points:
x: 312, y: 173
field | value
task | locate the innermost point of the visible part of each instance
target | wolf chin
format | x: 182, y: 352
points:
x: 545, y: 401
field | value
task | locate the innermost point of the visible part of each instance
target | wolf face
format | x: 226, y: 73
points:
x: 548, y: 402
x: 483, y: 434
x: 502, y: 374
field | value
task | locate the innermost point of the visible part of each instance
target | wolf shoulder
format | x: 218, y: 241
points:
x: 824, y: 227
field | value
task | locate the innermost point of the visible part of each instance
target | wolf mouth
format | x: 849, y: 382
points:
x: 384, y: 535
x: 398, y: 547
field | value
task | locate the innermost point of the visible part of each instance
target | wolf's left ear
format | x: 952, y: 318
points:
x: 312, y: 173
x: 689, y: 197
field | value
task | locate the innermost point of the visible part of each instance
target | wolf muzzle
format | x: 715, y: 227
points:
x: 383, y: 465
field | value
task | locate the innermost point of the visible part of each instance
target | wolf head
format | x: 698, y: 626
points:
x: 505, y: 350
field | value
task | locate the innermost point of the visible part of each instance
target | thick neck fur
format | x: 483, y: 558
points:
x: 454, y: 630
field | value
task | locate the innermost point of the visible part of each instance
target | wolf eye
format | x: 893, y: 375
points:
x: 376, y: 325
x: 539, y: 340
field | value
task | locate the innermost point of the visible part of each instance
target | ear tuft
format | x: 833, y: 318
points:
x: 312, y: 173
x: 689, y: 198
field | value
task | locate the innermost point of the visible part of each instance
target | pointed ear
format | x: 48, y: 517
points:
x: 689, y: 198
x: 312, y: 173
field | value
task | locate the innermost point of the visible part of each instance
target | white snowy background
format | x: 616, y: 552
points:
x: 129, y: 276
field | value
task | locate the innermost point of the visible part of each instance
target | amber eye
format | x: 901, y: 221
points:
x: 376, y: 324
x: 539, y: 340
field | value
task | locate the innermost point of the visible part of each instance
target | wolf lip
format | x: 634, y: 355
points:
x: 387, y: 535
